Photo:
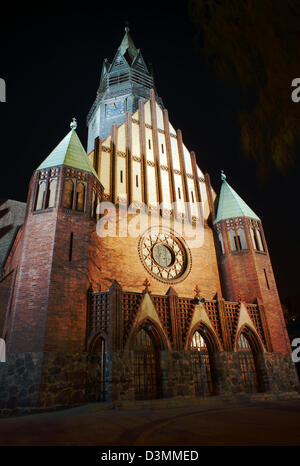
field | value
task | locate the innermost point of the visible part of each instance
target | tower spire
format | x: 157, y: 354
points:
x: 231, y: 205
x: 127, y: 47
x: 124, y: 81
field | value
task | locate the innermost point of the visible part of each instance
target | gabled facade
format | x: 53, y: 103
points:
x: 124, y: 282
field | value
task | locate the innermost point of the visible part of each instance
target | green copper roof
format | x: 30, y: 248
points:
x: 69, y: 152
x: 127, y: 47
x: 232, y: 205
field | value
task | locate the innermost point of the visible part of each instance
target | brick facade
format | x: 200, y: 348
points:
x: 74, y: 304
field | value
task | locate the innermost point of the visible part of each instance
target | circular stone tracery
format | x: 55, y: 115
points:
x: 164, y: 255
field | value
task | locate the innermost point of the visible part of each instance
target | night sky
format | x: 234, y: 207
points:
x: 51, y: 60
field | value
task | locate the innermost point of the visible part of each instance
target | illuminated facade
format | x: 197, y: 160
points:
x: 177, y: 300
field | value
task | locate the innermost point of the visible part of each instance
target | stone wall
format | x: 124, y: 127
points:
x: 19, y: 382
x: 281, y: 372
x: 34, y: 382
x: 275, y: 372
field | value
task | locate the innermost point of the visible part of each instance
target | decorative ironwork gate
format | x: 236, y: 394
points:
x: 201, y: 366
x: 145, y: 367
x: 247, y: 365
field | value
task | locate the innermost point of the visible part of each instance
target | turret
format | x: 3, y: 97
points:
x: 49, y: 309
x: 245, y: 262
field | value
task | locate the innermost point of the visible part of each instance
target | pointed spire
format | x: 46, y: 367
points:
x: 230, y: 204
x: 127, y: 47
x: 69, y: 152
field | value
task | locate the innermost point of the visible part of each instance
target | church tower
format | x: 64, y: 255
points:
x: 123, y: 82
x: 245, y: 262
x: 51, y: 278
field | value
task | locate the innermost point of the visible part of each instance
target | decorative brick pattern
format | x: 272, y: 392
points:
x: 130, y: 306
x: 232, y: 311
x: 161, y: 304
x: 213, y: 313
x: 254, y: 313
x: 186, y: 309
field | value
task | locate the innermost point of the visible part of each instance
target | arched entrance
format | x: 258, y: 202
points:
x: 247, y: 364
x: 202, y: 365
x: 98, y: 348
x: 146, y: 365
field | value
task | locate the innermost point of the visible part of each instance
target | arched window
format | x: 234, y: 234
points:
x: 201, y: 365
x: 80, y: 196
x: 146, y: 366
x: 233, y: 241
x: 51, y: 191
x: 68, y: 194
x: 221, y: 242
x: 242, y: 238
x: 41, y: 192
x: 247, y: 364
x: 259, y: 240
x: 254, y: 239
x: 237, y: 239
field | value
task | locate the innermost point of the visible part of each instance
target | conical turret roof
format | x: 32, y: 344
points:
x: 231, y: 205
x: 69, y: 152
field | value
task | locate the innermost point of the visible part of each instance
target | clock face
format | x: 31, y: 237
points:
x: 163, y: 255
x: 115, y: 108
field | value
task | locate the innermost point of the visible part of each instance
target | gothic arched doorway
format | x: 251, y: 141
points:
x: 247, y: 364
x: 201, y: 365
x: 146, y: 366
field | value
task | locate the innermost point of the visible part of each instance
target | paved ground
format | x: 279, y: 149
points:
x: 262, y: 423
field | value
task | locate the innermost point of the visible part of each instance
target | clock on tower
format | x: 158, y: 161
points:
x: 115, y: 108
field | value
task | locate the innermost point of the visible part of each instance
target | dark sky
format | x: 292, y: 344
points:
x: 51, y: 59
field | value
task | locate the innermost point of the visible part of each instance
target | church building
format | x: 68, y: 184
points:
x: 130, y: 278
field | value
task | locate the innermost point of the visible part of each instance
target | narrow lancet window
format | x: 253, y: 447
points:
x: 267, y: 281
x: 71, y: 247
x: 80, y: 196
x: 40, y: 195
x: 51, y: 193
x: 68, y: 194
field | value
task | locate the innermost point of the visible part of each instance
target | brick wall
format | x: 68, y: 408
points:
x: 243, y: 275
x: 115, y: 258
